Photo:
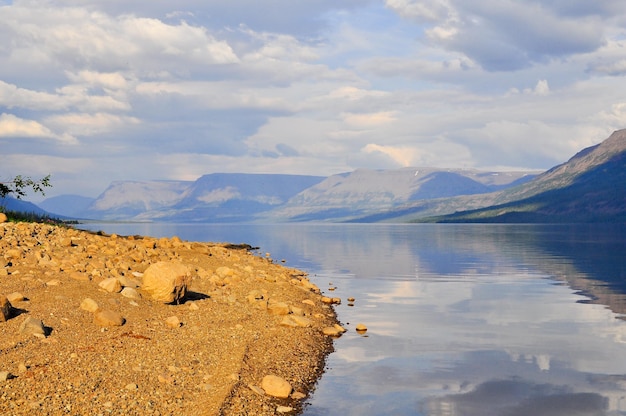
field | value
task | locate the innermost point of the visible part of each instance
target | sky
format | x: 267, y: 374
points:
x: 98, y: 91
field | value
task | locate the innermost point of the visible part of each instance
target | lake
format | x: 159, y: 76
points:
x: 462, y: 319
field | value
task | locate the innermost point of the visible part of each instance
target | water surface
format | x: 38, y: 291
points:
x: 462, y: 319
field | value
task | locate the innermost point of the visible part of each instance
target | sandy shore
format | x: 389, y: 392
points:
x: 243, y: 318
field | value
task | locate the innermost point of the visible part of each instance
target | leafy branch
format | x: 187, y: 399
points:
x: 19, y: 185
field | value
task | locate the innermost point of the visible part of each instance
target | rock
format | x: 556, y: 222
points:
x: 296, y: 321
x: 128, y: 282
x: 111, y: 285
x: 5, y: 375
x: 308, y: 302
x: 333, y: 331
x: 167, y: 281
x: 33, y: 326
x: 6, y: 309
x: 3, y: 217
x: 258, y: 390
x: 284, y: 409
x: 16, y: 297
x: 131, y: 293
x: 278, y: 308
x: 108, y: 318
x: 224, y: 271
x: 173, y: 322
x: 331, y: 301
x: 89, y: 305
x: 361, y: 328
x: 296, y: 311
x: 276, y: 386
x: 80, y: 276
x: 298, y: 395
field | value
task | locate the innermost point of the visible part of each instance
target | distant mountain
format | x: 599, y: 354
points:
x: 126, y: 200
x: 362, y: 193
x: 219, y: 197
x: 590, y: 187
x: 13, y: 204
x: 66, y: 205
x: 236, y: 197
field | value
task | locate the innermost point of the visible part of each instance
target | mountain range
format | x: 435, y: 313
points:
x: 590, y: 187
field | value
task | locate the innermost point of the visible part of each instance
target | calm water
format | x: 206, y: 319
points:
x: 463, y: 319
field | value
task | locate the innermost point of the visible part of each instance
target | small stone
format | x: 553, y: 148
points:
x: 6, y: 309
x: 361, y: 328
x: 128, y: 282
x: 308, y: 302
x: 5, y: 375
x: 296, y: 311
x: 173, y: 322
x: 32, y: 326
x: 89, y: 305
x: 350, y: 299
x: 278, y: 308
x: 284, y: 409
x: 131, y: 386
x: 298, y: 395
x: 106, y: 318
x: 193, y: 306
x: 80, y: 276
x: 16, y: 297
x: 258, y: 390
x: 296, y: 321
x: 111, y: 285
x: 131, y: 293
x: 3, y: 217
x: 332, y: 331
x: 276, y: 386
x: 53, y: 282
x: 21, y: 368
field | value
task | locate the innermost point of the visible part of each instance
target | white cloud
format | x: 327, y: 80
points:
x: 315, y: 87
x: 13, y: 127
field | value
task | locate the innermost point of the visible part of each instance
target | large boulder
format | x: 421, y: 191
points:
x: 166, y: 281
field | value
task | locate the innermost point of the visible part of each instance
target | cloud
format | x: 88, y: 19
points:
x: 317, y: 87
x: 508, y: 35
x: 13, y: 127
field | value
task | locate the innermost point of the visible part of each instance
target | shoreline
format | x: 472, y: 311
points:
x: 243, y: 318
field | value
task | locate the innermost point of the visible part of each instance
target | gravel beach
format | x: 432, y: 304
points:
x: 81, y: 333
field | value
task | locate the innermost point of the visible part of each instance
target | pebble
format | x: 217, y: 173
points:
x: 5, y: 309
x: 173, y: 322
x: 276, y: 386
x: 361, y: 328
x: 284, y: 409
x: 89, y: 305
x: 16, y: 297
x: 111, y: 285
x: 32, y: 326
x: 107, y: 318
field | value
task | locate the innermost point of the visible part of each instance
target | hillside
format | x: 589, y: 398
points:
x: 363, y: 192
x: 590, y: 187
x: 237, y: 197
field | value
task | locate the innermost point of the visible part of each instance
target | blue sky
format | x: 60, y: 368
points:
x: 92, y: 92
